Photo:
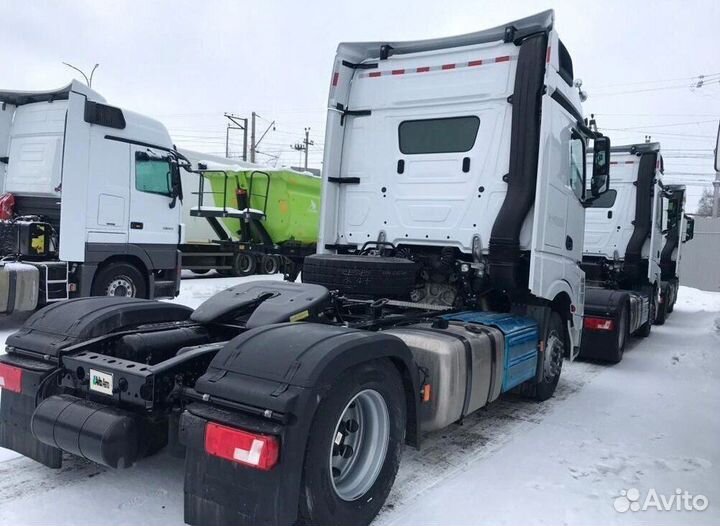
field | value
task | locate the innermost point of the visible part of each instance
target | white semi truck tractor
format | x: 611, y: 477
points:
x: 448, y: 273
x: 622, y: 255
x: 91, y: 200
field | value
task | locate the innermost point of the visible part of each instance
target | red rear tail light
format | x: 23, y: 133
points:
x: 10, y: 378
x: 243, y: 447
x: 599, y: 324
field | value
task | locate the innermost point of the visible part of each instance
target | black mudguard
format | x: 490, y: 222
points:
x: 66, y: 323
x: 286, y: 369
x: 47, y: 333
x: 605, y: 303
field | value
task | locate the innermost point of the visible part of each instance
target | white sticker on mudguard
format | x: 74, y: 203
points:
x: 101, y: 382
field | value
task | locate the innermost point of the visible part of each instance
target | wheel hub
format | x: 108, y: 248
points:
x: 121, y: 286
x: 359, y: 445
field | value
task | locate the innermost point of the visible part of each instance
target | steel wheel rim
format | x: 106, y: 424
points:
x: 121, y: 286
x: 554, y: 350
x: 271, y: 265
x: 359, y: 445
x: 245, y: 263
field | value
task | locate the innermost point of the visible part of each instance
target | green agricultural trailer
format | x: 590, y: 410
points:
x: 261, y: 220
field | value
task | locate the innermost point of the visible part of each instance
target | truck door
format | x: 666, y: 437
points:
x: 152, y: 220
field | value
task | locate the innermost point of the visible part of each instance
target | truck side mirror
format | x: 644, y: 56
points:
x: 175, y: 183
x: 600, y: 182
x: 689, y: 229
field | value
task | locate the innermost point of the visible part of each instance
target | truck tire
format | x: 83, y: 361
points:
x: 621, y: 332
x: 356, y: 443
x: 361, y: 275
x: 644, y: 331
x: 244, y: 264
x: 120, y: 279
x: 662, y: 307
x: 269, y: 264
x: 555, y: 343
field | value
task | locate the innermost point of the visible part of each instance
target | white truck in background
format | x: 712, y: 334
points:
x: 91, y: 201
x: 678, y: 229
x: 621, y: 258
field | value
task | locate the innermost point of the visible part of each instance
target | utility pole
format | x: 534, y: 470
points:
x: 304, y: 146
x: 253, y: 142
x: 253, y: 146
x: 241, y: 123
x: 716, y: 182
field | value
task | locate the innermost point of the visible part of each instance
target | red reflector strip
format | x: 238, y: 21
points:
x: 10, y: 378
x: 547, y: 55
x: 629, y: 162
x: 598, y: 324
x: 250, y: 449
x: 335, y: 78
x: 443, y: 67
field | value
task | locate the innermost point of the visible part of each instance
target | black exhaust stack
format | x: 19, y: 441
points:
x: 634, y: 267
x: 507, y: 270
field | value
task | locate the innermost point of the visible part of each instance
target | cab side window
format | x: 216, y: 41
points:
x: 152, y: 174
x: 577, y: 166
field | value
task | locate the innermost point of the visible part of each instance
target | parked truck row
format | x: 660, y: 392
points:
x: 451, y: 268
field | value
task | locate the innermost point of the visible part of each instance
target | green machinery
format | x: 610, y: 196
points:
x: 265, y: 221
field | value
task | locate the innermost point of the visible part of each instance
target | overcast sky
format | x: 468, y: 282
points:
x: 186, y: 63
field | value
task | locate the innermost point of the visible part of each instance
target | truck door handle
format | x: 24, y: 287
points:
x: 400, y: 166
x: 568, y: 242
x: 136, y: 225
x: 609, y: 214
x: 466, y: 164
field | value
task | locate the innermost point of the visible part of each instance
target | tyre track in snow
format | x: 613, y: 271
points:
x: 447, y: 452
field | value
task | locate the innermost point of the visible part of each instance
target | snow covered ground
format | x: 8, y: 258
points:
x: 651, y: 422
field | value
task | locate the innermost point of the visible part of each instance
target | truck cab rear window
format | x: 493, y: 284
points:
x: 606, y: 200
x: 445, y: 135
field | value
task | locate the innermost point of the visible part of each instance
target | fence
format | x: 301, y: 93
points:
x: 700, y: 257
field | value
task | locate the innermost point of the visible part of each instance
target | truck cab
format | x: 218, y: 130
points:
x: 97, y: 189
x: 434, y: 154
x: 622, y: 254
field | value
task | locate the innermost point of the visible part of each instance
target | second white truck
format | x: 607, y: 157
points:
x: 621, y: 258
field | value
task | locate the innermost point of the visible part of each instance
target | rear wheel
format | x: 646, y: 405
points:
x: 270, y: 264
x: 120, y: 279
x: 662, y: 309
x: 244, y: 264
x: 358, y: 433
x: 621, y: 331
x: 644, y: 331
